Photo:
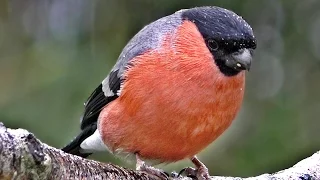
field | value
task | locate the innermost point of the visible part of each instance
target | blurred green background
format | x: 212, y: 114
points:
x: 53, y: 53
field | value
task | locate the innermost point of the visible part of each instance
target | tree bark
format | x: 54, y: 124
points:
x: 22, y: 156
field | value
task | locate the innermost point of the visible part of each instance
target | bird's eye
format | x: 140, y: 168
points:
x: 212, y: 44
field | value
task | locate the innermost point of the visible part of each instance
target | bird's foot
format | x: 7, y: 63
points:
x: 141, y: 166
x: 201, y: 173
x: 154, y: 171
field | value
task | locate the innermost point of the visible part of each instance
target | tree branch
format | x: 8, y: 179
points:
x: 22, y: 156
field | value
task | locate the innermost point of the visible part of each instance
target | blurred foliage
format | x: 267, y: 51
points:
x: 53, y: 53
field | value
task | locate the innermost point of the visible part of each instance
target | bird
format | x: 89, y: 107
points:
x: 176, y: 87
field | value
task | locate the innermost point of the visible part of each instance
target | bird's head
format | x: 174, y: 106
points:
x: 228, y: 37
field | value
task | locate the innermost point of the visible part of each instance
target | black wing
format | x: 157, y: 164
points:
x: 98, y: 99
x: 93, y: 107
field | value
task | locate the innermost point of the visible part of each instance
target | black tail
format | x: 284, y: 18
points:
x: 74, y: 146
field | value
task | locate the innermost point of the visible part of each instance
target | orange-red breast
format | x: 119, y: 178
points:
x: 177, y: 85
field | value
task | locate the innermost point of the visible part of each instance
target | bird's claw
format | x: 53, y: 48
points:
x: 141, y: 166
x: 201, y: 173
x: 174, y: 174
x: 154, y: 171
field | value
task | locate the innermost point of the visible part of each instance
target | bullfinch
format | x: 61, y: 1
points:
x: 177, y: 86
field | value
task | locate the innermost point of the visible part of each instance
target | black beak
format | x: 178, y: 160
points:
x: 240, y: 60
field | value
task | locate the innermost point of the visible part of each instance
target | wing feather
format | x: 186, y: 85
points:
x: 100, y: 98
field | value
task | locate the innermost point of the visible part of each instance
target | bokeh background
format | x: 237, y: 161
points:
x: 53, y: 53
